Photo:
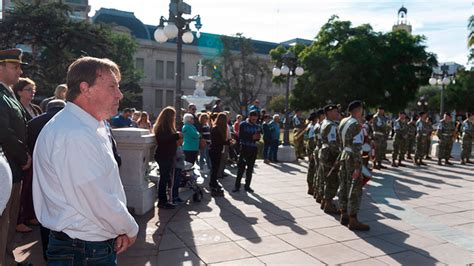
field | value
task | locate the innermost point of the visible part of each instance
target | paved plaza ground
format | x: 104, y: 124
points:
x: 418, y: 216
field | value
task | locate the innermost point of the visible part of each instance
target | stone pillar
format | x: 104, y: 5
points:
x: 286, y: 154
x: 134, y: 146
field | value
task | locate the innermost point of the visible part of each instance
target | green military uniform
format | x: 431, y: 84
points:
x: 400, y: 141
x: 328, y: 155
x: 428, y: 140
x: 411, y: 138
x: 312, y: 163
x: 381, y: 131
x: 467, y: 130
x: 298, y: 136
x: 350, y: 194
x: 423, y: 129
x: 317, y: 181
x: 445, y: 135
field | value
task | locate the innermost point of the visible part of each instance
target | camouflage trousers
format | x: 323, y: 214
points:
x: 421, y: 147
x: 428, y: 145
x: 445, y: 147
x: 318, y: 181
x: 411, y: 145
x: 350, y: 190
x: 380, y: 147
x: 298, y: 140
x: 466, y: 148
x: 399, y: 149
x: 330, y: 182
x: 312, y: 163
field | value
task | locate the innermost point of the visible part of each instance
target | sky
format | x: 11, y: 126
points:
x: 444, y: 23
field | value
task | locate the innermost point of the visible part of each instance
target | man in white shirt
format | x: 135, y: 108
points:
x: 77, y: 190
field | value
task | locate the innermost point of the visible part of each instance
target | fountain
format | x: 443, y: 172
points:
x: 199, y: 97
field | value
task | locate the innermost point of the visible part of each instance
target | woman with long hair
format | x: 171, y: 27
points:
x: 218, y: 140
x: 144, y: 121
x: 166, y: 144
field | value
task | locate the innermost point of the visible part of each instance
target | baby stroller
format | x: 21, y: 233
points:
x: 192, y: 178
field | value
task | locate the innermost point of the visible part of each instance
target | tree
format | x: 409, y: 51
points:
x: 345, y: 63
x: 277, y: 104
x: 238, y: 75
x: 56, y: 41
x: 470, y: 40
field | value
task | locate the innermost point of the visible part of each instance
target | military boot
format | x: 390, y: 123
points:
x: 329, y: 207
x: 415, y: 162
x: 463, y: 162
x: 422, y: 163
x: 377, y: 165
x: 428, y: 157
x: 409, y: 157
x: 310, y: 189
x: 344, y: 220
x: 323, y: 203
x: 382, y: 166
x: 439, y: 162
x: 318, y: 197
x: 400, y: 163
x: 394, y: 164
x: 447, y: 162
x: 469, y: 161
x: 355, y: 225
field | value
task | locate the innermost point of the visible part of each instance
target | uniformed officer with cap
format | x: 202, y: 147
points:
x: 445, y: 133
x: 311, y: 136
x: 467, y: 130
x: 350, y: 174
x: 381, y: 131
x: 13, y: 145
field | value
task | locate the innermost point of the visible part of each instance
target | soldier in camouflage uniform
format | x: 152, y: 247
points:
x: 317, y: 181
x: 423, y: 129
x: 411, y: 136
x: 381, y: 131
x: 350, y: 176
x: 327, y: 157
x: 467, y: 130
x: 445, y: 133
x: 400, y: 139
x: 298, y: 134
x: 311, y: 136
x: 428, y: 138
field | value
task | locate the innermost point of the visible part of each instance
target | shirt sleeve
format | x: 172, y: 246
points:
x: 91, y: 183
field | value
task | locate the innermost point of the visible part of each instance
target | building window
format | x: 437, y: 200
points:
x: 170, y: 70
x: 160, y: 69
x: 158, y: 99
x: 169, y: 98
x: 140, y: 64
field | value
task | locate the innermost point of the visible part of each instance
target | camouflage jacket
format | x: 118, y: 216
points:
x: 381, y: 126
x: 330, y: 141
x: 423, y: 128
x: 352, y: 138
x: 401, y: 129
x: 411, y: 129
x: 467, y: 130
x: 445, y: 130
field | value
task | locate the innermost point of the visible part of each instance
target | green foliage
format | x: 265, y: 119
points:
x: 345, y: 63
x: 277, y: 104
x: 237, y: 72
x: 470, y: 40
x: 56, y: 41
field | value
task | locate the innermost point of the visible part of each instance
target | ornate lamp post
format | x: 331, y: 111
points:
x: 178, y: 27
x: 442, y: 79
x: 422, y: 103
x: 287, y: 66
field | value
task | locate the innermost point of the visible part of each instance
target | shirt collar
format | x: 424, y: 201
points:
x: 82, y: 115
x: 8, y: 88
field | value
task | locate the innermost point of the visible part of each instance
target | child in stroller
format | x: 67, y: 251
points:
x: 191, y: 177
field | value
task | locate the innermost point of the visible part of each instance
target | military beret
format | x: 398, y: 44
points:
x: 329, y: 107
x: 313, y: 116
x: 13, y: 55
x: 402, y: 113
x: 320, y: 112
x: 253, y: 113
x: 354, y: 105
x: 421, y: 113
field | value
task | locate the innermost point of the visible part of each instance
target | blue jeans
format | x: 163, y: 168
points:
x: 204, y: 155
x: 66, y: 251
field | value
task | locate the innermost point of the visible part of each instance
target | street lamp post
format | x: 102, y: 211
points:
x: 288, y: 66
x: 178, y: 27
x: 442, y: 79
x: 422, y: 103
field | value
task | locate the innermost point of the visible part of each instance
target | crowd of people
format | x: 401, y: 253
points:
x: 60, y: 165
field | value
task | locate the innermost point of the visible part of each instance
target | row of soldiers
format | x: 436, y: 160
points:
x: 339, y: 149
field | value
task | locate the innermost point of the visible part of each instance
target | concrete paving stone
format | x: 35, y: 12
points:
x: 295, y: 257
x: 450, y: 254
x: 244, y: 232
x: 319, y: 221
x: 204, y: 237
x: 451, y: 219
x: 370, y: 215
x: 266, y: 245
x: 283, y: 227
x: 188, y: 226
x: 310, y: 239
x: 242, y: 262
x: 464, y: 205
x: 181, y: 256
x: 221, y: 252
x: 339, y: 233
x: 411, y: 241
x: 170, y: 241
x: 335, y: 253
x: 466, y: 228
x: 428, y: 211
x: 445, y: 208
x: 408, y: 258
x: 261, y: 217
x: 397, y: 224
x: 468, y: 214
x: 143, y: 260
x: 367, y: 262
x: 225, y: 221
x: 303, y: 202
x: 373, y: 246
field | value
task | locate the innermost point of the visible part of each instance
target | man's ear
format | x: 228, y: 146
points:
x: 85, y: 89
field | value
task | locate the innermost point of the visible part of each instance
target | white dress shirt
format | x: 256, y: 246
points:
x: 76, y: 185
